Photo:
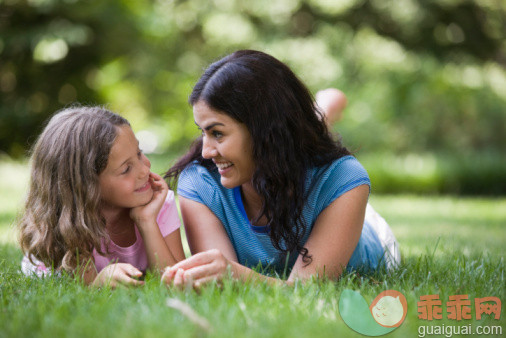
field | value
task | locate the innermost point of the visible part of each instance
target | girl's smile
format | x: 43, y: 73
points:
x: 227, y: 143
x: 145, y: 187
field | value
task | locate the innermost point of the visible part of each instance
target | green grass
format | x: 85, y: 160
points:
x: 450, y: 246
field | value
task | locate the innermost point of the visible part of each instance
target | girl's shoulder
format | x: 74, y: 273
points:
x: 170, y: 199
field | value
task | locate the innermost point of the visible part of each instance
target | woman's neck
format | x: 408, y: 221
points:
x: 252, y: 202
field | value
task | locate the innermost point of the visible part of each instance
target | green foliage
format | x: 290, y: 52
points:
x: 420, y: 75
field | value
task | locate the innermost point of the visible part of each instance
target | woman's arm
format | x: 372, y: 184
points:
x: 334, y: 236
x: 331, y: 243
x: 213, y: 253
x: 204, y: 230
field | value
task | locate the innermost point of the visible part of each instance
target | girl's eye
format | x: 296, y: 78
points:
x: 139, y: 153
x: 217, y: 134
x: 126, y: 170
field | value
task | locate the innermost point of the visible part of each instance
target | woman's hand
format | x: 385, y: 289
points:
x: 197, y: 270
x: 146, y: 214
x: 118, y: 274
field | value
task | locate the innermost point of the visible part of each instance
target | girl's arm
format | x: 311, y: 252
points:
x: 331, y: 243
x: 161, y: 252
x: 173, y: 242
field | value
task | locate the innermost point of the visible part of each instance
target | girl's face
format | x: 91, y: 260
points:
x: 125, y: 181
x: 227, y: 143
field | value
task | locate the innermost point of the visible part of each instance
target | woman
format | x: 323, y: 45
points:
x: 266, y: 184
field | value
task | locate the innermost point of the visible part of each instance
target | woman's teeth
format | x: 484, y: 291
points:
x: 223, y: 166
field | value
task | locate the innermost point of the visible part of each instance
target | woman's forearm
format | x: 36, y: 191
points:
x: 246, y: 274
x: 210, y: 265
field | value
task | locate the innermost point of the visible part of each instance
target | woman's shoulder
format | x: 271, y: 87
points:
x: 197, y: 171
x: 196, y: 180
x: 343, y: 166
x: 337, y: 177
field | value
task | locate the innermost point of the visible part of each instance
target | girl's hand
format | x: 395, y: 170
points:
x: 148, y: 213
x: 118, y: 274
x: 197, y: 270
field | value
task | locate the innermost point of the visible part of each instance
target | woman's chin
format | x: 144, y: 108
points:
x: 229, y: 184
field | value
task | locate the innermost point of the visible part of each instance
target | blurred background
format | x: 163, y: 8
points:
x: 425, y: 79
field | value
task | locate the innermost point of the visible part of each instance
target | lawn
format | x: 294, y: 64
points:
x: 450, y: 246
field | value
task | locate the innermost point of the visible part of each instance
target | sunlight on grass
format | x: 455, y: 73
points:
x: 461, y: 224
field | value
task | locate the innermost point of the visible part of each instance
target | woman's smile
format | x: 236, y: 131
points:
x: 224, y: 167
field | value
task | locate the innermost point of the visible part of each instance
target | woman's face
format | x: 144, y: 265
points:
x: 227, y: 143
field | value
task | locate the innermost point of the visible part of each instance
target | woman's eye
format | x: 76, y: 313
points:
x: 126, y: 170
x: 139, y: 153
x: 217, y: 134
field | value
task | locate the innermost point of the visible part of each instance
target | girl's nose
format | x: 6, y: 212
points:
x: 208, y: 150
x: 146, y: 166
x: 146, y: 161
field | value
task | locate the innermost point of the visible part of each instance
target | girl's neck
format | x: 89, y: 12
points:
x: 116, y: 219
x: 119, y: 226
x: 252, y: 202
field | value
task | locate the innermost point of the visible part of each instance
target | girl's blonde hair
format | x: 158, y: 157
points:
x: 62, y: 223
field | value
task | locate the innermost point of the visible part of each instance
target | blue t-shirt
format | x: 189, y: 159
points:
x: 252, y: 244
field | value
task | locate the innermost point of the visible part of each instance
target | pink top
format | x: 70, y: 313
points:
x: 168, y: 221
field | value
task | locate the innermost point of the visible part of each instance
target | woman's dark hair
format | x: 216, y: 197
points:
x: 288, y: 132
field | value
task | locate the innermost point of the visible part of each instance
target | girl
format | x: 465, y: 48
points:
x: 93, y: 207
x: 267, y: 184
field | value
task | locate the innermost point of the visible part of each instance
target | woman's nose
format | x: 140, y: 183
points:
x: 208, y: 150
